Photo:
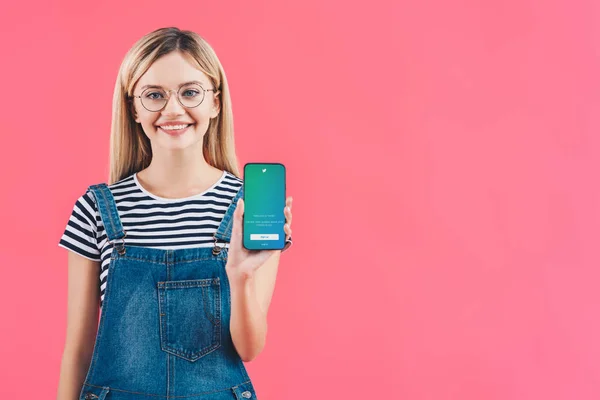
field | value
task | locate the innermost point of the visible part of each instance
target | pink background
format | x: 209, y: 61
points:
x: 443, y: 158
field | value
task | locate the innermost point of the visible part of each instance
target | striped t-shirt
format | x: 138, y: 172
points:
x: 149, y: 220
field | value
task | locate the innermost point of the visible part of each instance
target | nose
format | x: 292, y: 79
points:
x: 173, y: 106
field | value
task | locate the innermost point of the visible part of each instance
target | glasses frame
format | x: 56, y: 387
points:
x: 216, y: 91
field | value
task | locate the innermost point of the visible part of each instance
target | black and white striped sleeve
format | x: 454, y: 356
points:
x: 80, y: 234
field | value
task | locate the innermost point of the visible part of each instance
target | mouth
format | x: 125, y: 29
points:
x: 177, y: 131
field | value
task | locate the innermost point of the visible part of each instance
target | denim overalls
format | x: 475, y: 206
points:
x: 164, y: 327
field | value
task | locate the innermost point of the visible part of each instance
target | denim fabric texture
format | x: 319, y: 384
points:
x: 164, y: 327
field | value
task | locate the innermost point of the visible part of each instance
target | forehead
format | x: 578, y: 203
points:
x: 172, y: 70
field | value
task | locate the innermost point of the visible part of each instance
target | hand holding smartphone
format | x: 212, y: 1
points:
x: 264, y: 201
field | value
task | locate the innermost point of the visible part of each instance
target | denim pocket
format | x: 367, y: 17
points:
x: 190, y: 317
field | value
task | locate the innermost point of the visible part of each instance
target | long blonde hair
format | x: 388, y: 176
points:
x: 130, y: 149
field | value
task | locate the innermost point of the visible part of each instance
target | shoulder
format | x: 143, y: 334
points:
x: 116, y: 189
x: 231, y: 182
x: 232, y: 178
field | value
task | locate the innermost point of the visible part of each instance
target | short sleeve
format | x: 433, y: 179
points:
x: 80, y: 234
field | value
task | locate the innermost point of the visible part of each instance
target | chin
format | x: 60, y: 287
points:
x: 180, y: 143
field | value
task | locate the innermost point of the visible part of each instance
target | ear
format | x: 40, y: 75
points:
x: 216, y: 104
x: 133, y: 111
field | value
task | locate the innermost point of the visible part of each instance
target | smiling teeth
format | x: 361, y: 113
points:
x: 173, y: 127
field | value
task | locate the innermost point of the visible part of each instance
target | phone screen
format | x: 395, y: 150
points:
x: 264, y: 201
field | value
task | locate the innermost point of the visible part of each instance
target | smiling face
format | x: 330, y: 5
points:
x: 170, y: 72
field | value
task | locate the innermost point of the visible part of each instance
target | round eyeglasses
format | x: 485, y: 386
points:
x: 189, y: 96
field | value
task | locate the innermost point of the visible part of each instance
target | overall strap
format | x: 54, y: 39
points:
x: 108, y: 212
x: 225, y: 227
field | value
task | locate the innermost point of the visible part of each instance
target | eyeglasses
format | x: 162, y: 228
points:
x: 189, y: 96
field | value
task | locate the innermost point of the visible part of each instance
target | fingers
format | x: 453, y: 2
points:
x: 288, y: 216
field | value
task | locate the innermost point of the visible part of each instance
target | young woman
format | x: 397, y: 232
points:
x: 159, y: 247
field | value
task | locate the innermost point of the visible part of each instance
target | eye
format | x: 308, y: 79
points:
x: 194, y: 92
x: 149, y: 95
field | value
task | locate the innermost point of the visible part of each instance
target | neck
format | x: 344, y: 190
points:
x: 178, y: 174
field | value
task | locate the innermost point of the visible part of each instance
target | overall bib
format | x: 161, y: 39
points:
x: 164, y: 327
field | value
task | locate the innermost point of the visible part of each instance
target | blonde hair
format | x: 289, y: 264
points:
x: 130, y: 149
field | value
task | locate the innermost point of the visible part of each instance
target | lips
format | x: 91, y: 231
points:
x: 174, y: 125
x: 175, y: 131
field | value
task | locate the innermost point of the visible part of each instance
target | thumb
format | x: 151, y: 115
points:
x: 237, y: 220
x: 240, y: 207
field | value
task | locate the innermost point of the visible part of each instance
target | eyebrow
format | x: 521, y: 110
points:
x: 160, y: 87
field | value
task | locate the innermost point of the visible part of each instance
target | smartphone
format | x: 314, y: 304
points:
x: 264, y: 201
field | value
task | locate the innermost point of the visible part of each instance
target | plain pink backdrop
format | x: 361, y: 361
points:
x: 443, y: 157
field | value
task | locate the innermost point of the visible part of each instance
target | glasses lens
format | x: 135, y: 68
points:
x: 154, y: 99
x: 191, y: 95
